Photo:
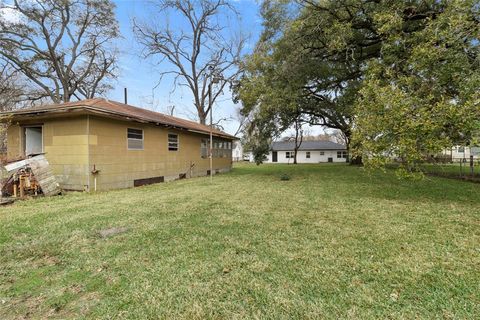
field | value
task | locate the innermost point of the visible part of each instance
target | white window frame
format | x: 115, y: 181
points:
x: 136, y: 139
x: 23, y: 137
x: 177, y: 143
x: 322, y: 153
x: 307, y: 155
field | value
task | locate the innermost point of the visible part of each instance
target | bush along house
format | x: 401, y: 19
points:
x: 98, y: 144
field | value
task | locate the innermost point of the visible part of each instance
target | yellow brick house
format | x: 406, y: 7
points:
x: 102, y: 144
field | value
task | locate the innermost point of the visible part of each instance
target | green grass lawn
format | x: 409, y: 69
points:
x: 332, y: 242
x: 453, y: 169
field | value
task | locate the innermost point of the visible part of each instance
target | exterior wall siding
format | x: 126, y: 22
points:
x: 119, y: 166
x: 315, y: 157
x: 65, y: 144
x: 74, y: 145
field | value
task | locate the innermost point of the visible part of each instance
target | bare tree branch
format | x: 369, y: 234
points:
x: 196, y: 54
x: 64, y: 48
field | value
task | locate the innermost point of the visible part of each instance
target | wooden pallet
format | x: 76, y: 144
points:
x: 44, y: 175
x: 42, y: 172
x: 5, y: 201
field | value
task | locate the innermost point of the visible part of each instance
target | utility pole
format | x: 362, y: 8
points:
x: 215, y: 79
x: 211, y: 129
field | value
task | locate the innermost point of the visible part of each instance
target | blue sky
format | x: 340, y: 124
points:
x: 141, y: 76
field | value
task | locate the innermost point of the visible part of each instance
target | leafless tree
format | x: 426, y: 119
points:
x: 332, y: 135
x: 11, y: 93
x: 199, y: 55
x: 64, y: 48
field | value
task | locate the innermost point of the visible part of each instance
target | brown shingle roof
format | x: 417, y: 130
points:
x: 110, y: 108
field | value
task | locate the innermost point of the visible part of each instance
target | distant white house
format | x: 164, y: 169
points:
x: 309, y: 152
x: 237, y: 151
x: 458, y: 153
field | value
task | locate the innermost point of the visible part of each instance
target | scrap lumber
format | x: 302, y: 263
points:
x: 5, y: 201
x: 35, y: 169
x: 44, y: 175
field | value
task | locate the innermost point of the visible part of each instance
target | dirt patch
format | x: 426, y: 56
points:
x: 106, y: 233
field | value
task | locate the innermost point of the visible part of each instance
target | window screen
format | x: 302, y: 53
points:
x: 172, y: 142
x: 135, y: 139
x: 205, y: 144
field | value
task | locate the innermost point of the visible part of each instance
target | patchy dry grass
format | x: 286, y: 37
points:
x: 332, y: 242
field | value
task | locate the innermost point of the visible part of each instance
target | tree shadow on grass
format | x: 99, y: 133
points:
x: 351, y: 181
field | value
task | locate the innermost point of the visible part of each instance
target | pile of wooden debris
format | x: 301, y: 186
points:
x: 28, y: 177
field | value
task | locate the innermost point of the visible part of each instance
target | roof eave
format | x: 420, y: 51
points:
x: 26, y: 114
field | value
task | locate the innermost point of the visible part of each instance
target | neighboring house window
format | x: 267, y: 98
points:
x: 172, y: 142
x: 289, y: 154
x: 322, y: 153
x: 308, y: 154
x: 135, y: 139
x: 461, y: 149
x: 341, y: 154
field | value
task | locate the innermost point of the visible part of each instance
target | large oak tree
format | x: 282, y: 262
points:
x: 355, y: 65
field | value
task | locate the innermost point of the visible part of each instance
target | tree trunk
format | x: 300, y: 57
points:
x: 298, y: 132
x: 353, y: 160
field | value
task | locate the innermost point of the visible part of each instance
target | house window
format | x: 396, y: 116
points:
x: 204, y: 148
x: 322, y: 153
x: 220, y: 149
x: 135, y: 139
x: 341, y: 154
x: 461, y: 149
x: 33, y: 143
x: 172, y: 142
x: 289, y: 154
x: 308, y: 154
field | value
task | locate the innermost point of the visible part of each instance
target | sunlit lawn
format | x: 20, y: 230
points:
x: 332, y: 242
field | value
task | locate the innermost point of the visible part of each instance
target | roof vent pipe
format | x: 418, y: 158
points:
x: 125, y: 95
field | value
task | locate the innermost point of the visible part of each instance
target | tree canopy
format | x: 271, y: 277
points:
x: 398, y: 78
x: 423, y: 95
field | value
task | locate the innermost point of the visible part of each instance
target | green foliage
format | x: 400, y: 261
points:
x: 260, y: 151
x: 422, y: 95
x: 400, y: 79
x: 308, y: 64
x: 284, y: 177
